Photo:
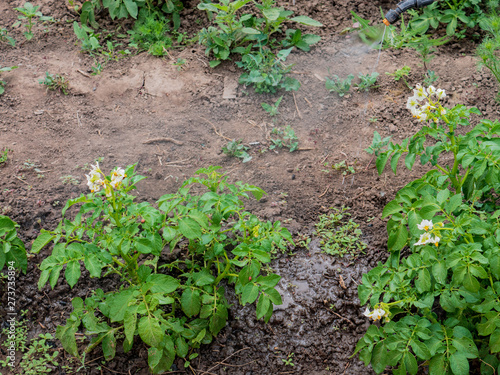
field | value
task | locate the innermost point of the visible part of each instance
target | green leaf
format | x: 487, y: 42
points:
x: 218, y: 320
x: 131, y: 7
x: 398, y: 238
x: 459, y: 364
x: 437, y: 365
x: 495, y: 341
x: 274, y: 296
x: 381, y: 162
x: 271, y: 14
x: 150, y: 331
x: 411, y: 363
x: 391, y: 208
x: 423, y: 282
x: 249, y: 293
x: 17, y: 254
x: 66, y: 334
x: 44, y: 277
x: 470, y: 283
x: 93, y: 265
x: 154, y: 357
x: 379, y: 355
x: 453, y: 203
x: 109, y: 346
x: 118, y: 304
x: 262, y: 305
x: 304, y: 20
x: 41, y: 241
x: 203, y: 278
x: 189, y: 228
x: 250, y: 31
x: 72, y: 272
x: 440, y: 271
x: 181, y: 347
x: 163, y: 283
x: 130, y: 323
x: 191, y: 302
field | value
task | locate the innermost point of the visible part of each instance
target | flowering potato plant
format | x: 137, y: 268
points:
x: 438, y: 294
x: 173, y: 262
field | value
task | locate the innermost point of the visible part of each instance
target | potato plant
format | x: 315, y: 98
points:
x: 174, y: 263
x: 439, y: 303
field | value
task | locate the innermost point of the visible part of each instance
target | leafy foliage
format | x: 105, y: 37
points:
x: 488, y: 50
x: 338, y: 85
x: 441, y: 299
x: 2, y: 83
x: 338, y: 236
x: 272, y: 109
x: 173, y: 303
x: 12, y: 250
x: 238, y: 150
x: 55, y: 82
x: 401, y: 74
x: 151, y: 33
x: 252, y: 36
x: 266, y: 72
x: 284, y: 138
x: 4, y: 37
x: 367, y: 81
x: 32, y: 15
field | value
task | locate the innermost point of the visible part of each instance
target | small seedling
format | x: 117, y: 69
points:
x: 401, y: 74
x: 367, y: 81
x: 289, y: 360
x: 55, y: 82
x: 2, y: 83
x: 238, y: 150
x: 286, y: 138
x: 377, y: 144
x: 340, y: 86
x: 69, y: 180
x: 338, y: 236
x: 4, y: 37
x: 272, y: 109
x: 31, y: 14
x: 4, y: 156
x: 180, y: 64
x: 344, y: 167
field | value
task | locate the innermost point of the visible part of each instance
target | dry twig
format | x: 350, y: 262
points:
x: 224, y: 360
x: 328, y: 187
x: 296, y: 107
x: 219, y: 133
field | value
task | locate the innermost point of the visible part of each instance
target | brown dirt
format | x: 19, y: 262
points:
x: 142, y: 97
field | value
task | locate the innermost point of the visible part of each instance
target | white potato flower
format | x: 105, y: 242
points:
x: 431, y: 90
x: 425, y: 225
x: 117, y: 177
x: 419, y: 92
x: 442, y: 111
x: 412, y: 103
x: 376, y: 314
x: 440, y: 93
x: 425, y: 238
x: 436, y: 240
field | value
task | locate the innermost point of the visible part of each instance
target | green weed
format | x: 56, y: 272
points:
x: 367, y: 81
x: 339, y: 236
x: 4, y: 37
x: 2, y: 83
x: 401, y: 73
x: 55, y: 82
x: 284, y: 138
x: 272, y: 109
x: 32, y: 15
x: 338, y: 85
x: 236, y: 149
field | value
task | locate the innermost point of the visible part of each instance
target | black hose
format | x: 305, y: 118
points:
x: 394, y: 14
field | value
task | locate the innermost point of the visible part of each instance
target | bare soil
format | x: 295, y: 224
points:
x: 140, y: 98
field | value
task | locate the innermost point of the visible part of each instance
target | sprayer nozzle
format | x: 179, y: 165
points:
x: 387, y: 23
